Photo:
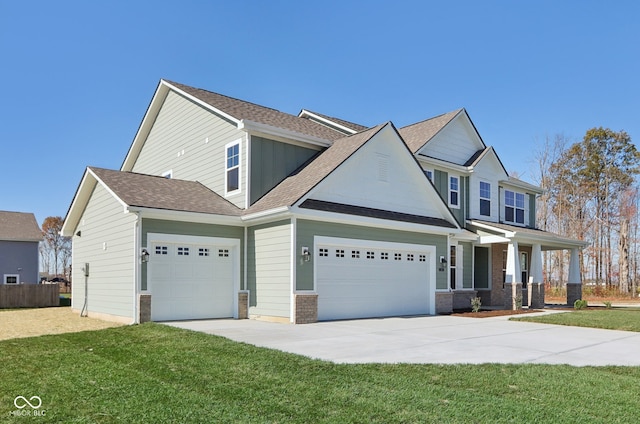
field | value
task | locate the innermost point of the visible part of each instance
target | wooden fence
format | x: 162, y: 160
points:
x: 29, y: 295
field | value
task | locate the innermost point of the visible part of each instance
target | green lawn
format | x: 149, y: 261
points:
x: 157, y: 374
x: 627, y: 319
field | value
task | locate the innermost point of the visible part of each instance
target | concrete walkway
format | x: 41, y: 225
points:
x: 434, y: 340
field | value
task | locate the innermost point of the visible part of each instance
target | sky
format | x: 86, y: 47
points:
x: 78, y: 76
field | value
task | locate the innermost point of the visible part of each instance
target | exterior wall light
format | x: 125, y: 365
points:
x: 144, y: 256
x: 306, y: 254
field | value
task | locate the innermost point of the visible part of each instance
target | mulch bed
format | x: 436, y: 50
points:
x: 494, y: 313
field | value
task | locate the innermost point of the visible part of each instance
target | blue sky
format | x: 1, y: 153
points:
x: 77, y: 76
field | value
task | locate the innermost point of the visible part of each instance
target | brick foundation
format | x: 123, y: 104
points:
x: 444, y: 303
x: 536, y: 295
x: 144, y: 308
x: 462, y: 299
x: 574, y: 292
x: 511, y: 293
x: 306, y: 308
x: 243, y: 304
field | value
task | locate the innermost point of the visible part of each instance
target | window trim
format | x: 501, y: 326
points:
x: 515, y: 207
x: 227, y: 168
x: 17, y: 276
x: 457, y: 191
x: 430, y: 171
x: 481, y: 198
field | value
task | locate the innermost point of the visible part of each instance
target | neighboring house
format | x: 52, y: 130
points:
x: 224, y: 208
x: 20, y: 236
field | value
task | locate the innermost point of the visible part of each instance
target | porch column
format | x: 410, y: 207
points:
x: 536, y: 283
x: 574, y: 283
x: 512, y: 284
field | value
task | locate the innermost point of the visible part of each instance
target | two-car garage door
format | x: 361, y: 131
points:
x: 191, y: 277
x: 361, y: 279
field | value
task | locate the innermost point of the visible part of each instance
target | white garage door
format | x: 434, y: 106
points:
x: 190, y: 280
x: 362, y: 279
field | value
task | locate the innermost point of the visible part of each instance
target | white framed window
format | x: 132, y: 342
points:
x: 485, y: 198
x: 11, y: 279
x: 168, y: 174
x: 454, y: 192
x: 232, y: 167
x: 514, y: 207
x: 429, y: 174
x: 455, y: 267
x: 524, y: 268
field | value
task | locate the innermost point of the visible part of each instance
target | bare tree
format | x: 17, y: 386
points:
x: 57, y: 246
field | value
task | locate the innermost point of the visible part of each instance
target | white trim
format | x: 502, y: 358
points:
x: 481, y: 198
x: 137, y: 266
x: 449, y: 191
x: 247, y: 191
x: 251, y: 126
x: 328, y: 122
x: 168, y: 174
x: 196, y: 217
x: 238, y: 143
x: 4, y: 280
x: 293, y: 265
x: 200, y: 102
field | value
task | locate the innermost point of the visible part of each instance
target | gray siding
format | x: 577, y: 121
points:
x: 306, y: 230
x: 272, y: 161
x: 467, y: 260
x: 441, y: 181
x: 107, y: 244
x: 269, y: 269
x: 190, y: 229
x: 532, y: 210
x: 19, y: 258
x: 183, y: 126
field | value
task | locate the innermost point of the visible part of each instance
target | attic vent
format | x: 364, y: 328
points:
x: 383, y: 167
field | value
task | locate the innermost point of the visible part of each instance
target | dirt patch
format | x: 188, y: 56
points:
x: 495, y: 313
x: 37, y: 322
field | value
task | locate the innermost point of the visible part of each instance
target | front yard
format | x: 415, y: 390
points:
x: 156, y: 373
x: 626, y: 319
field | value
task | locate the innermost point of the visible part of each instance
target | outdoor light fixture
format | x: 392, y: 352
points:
x: 144, y: 256
x: 306, y: 255
x: 443, y: 260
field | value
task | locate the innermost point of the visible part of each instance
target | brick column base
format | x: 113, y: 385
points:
x: 243, y: 304
x: 144, y: 308
x: 536, y: 295
x: 574, y: 292
x: 513, y: 296
x: 444, y: 302
x: 306, y: 308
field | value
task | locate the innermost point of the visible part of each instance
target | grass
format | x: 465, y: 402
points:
x: 627, y: 319
x: 156, y: 373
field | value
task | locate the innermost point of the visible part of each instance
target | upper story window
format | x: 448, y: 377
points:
x: 429, y: 174
x: 454, y: 192
x: 232, y: 176
x: 514, y: 207
x: 485, y: 198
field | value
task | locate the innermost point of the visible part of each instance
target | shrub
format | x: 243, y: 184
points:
x: 518, y: 301
x: 580, y: 304
x: 476, y: 302
x: 607, y: 304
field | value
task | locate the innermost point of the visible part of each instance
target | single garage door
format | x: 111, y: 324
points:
x: 190, y: 280
x: 363, y: 279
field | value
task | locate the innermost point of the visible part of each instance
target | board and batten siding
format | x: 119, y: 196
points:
x: 441, y: 182
x: 269, y: 269
x: 159, y: 226
x: 190, y: 141
x: 467, y: 261
x: 106, y: 243
x: 19, y: 258
x: 306, y: 230
x: 272, y: 161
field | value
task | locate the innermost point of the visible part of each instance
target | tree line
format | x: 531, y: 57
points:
x: 591, y: 194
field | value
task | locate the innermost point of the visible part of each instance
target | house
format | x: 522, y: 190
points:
x: 225, y: 208
x: 20, y: 236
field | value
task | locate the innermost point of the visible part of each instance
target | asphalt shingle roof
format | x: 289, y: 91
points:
x: 241, y: 109
x: 351, y: 125
x: 418, y: 134
x: 156, y: 192
x: 19, y: 226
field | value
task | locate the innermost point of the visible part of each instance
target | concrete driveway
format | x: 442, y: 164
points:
x: 434, y: 340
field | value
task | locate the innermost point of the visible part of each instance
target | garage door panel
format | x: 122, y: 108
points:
x: 360, y: 281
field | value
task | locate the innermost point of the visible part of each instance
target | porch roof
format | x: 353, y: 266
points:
x: 503, y: 233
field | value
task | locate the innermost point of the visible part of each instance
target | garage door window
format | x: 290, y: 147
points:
x: 339, y: 253
x: 410, y: 257
x: 371, y: 255
x: 384, y: 256
x: 162, y: 250
x: 223, y: 253
x: 183, y: 251
x: 397, y: 256
x: 203, y: 251
x: 355, y: 254
x: 323, y: 252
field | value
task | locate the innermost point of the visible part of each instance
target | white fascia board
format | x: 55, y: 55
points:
x: 329, y: 122
x: 201, y: 103
x: 444, y: 164
x: 336, y: 218
x: 521, y: 185
x: 111, y: 192
x: 282, y: 212
x: 492, y: 239
x: 197, y: 217
x: 251, y: 126
x: 465, y: 235
x: 506, y: 233
x: 78, y: 204
x: 551, y: 242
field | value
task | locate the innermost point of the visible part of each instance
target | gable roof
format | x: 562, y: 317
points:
x: 418, y: 134
x: 296, y: 185
x: 19, y: 226
x: 243, y: 110
x: 344, y: 126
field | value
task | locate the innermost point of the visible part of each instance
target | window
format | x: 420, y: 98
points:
x: 504, y: 267
x: 454, y: 192
x: 11, y: 279
x: 485, y: 198
x: 162, y: 250
x: 339, y: 253
x: 452, y: 266
x: 423, y: 258
x: 410, y: 257
x: 524, y: 268
x: 371, y: 255
x: 168, y: 174
x: 323, y: 252
x: 183, y: 251
x: 203, y: 251
x: 355, y: 254
x: 429, y: 174
x: 233, y: 167
x: 397, y: 256
x: 223, y: 253
x: 384, y: 256
x: 514, y: 207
